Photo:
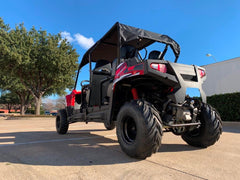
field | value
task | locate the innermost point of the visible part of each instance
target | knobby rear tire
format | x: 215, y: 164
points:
x: 139, y: 129
x: 210, y: 130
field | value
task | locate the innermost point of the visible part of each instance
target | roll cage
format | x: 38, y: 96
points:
x: 108, y: 47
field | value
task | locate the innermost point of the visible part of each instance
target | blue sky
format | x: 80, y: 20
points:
x: 199, y: 26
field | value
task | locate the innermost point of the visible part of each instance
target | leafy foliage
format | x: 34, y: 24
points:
x: 228, y: 105
x: 8, y: 80
x: 11, y: 101
x: 41, y: 62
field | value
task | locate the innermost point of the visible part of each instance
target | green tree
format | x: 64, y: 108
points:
x: 43, y: 63
x: 7, y: 82
x: 10, y: 100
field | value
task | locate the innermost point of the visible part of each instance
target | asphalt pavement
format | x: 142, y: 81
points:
x: 30, y: 148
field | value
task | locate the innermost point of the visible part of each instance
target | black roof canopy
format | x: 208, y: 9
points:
x: 120, y: 34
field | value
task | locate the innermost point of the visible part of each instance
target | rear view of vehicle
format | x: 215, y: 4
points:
x: 142, y: 96
x: 160, y: 102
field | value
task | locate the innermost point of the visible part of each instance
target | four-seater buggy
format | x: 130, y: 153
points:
x: 137, y: 89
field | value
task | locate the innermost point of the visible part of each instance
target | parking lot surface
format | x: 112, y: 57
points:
x: 30, y: 148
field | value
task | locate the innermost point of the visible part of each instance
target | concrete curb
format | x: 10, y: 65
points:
x: 229, y: 123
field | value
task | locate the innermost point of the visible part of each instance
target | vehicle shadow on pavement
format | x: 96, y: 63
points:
x: 78, y: 148
x: 176, y: 148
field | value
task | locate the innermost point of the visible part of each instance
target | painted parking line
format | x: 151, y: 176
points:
x: 55, y: 140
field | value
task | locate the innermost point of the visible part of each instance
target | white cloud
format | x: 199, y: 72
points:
x: 67, y: 35
x: 83, y: 41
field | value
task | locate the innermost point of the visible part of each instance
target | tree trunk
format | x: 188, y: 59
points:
x: 9, y: 108
x: 38, y: 105
x: 22, y: 109
x: 22, y: 101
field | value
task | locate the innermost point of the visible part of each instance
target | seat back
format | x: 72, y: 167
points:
x: 128, y: 51
x: 101, y: 71
x: 154, y: 55
x: 102, y: 65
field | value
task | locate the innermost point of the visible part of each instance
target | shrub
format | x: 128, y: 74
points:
x: 228, y: 105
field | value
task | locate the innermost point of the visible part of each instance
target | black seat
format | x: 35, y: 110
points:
x: 102, y: 66
x: 154, y: 55
x: 128, y: 51
x: 101, y: 72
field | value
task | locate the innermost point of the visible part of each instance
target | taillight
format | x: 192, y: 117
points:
x: 159, y: 67
x: 202, y: 73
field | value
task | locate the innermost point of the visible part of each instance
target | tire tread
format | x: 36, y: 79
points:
x: 63, y: 126
x: 151, y: 140
x: 210, y: 130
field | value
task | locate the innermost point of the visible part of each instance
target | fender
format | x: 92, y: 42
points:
x: 70, y: 101
x: 124, y: 71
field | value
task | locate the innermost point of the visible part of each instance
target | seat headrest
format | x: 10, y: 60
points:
x: 128, y: 51
x: 154, y: 55
x: 101, y: 62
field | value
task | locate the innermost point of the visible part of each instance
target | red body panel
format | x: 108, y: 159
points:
x: 70, y: 99
x: 123, y: 69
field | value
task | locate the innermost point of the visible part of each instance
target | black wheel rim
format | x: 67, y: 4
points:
x: 195, y: 132
x: 129, y: 130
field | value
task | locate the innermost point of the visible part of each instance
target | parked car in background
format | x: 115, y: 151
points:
x: 47, y: 113
x: 54, y: 113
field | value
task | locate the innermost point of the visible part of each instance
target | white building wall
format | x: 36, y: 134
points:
x: 222, y: 77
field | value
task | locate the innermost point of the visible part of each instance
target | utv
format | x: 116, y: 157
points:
x: 141, y: 96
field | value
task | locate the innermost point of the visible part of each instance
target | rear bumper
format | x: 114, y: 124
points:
x: 178, y: 76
